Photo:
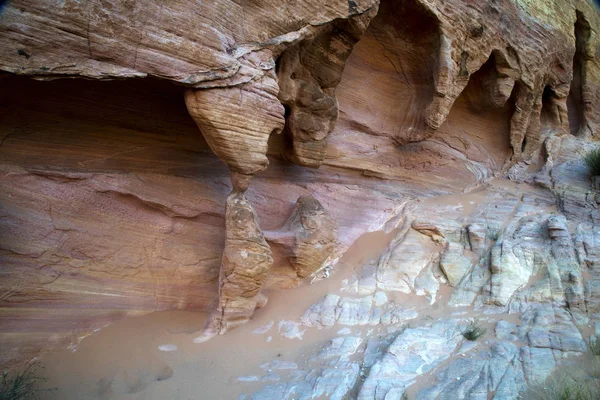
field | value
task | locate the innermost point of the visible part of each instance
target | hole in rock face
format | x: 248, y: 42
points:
x: 386, y: 86
x: 549, y: 115
x: 576, y: 100
x: 285, y: 139
x: 388, y: 80
x: 410, y: 44
x: 480, y: 117
x: 524, y: 145
x: 482, y: 89
x: 547, y: 95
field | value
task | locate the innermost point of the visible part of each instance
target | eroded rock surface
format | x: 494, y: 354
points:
x: 309, y: 236
x: 237, y: 122
x: 368, y: 310
x: 112, y: 200
x: 193, y: 44
x: 308, y: 74
x: 523, y: 281
x: 245, y: 265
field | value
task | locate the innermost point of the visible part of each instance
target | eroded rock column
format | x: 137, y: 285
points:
x: 244, y: 267
x: 237, y: 117
x: 237, y: 122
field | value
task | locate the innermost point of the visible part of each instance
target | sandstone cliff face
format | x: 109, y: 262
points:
x: 113, y: 202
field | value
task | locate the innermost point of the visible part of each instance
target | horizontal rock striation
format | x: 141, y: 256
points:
x: 196, y: 45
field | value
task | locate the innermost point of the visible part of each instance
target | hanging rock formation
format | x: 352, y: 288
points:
x: 308, y: 74
x: 237, y: 122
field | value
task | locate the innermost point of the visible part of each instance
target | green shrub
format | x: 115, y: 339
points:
x: 20, y: 384
x: 594, y: 345
x: 592, y: 159
x: 564, y: 387
x: 592, y: 365
x: 473, y: 331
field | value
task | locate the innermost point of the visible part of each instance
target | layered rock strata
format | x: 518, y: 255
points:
x: 112, y: 200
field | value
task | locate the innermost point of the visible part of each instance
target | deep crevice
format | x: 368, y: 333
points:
x: 576, y: 102
x: 487, y: 86
x: 550, y: 118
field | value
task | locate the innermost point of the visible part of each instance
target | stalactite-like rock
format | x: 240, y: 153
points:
x: 450, y: 79
x: 308, y: 74
x: 237, y: 121
x: 524, y: 104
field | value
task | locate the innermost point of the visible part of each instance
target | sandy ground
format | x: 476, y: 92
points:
x: 155, y: 357
x: 125, y: 360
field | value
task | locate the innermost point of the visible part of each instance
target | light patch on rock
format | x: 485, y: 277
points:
x: 413, y: 352
x: 344, y: 331
x: 167, y: 347
x: 264, y: 329
x: 291, y: 329
x: 279, y: 365
x: 380, y: 298
x: 252, y: 378
x: 353, y: 311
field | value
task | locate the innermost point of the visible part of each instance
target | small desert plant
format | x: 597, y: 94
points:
x: 592, y: 159
x: 20, y: 385
x: 564, y: 387
x: 594, y: 345
x: 493, y: 234
x: 473, y: 331
x: 592, y: 366
x: 493, y: 230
